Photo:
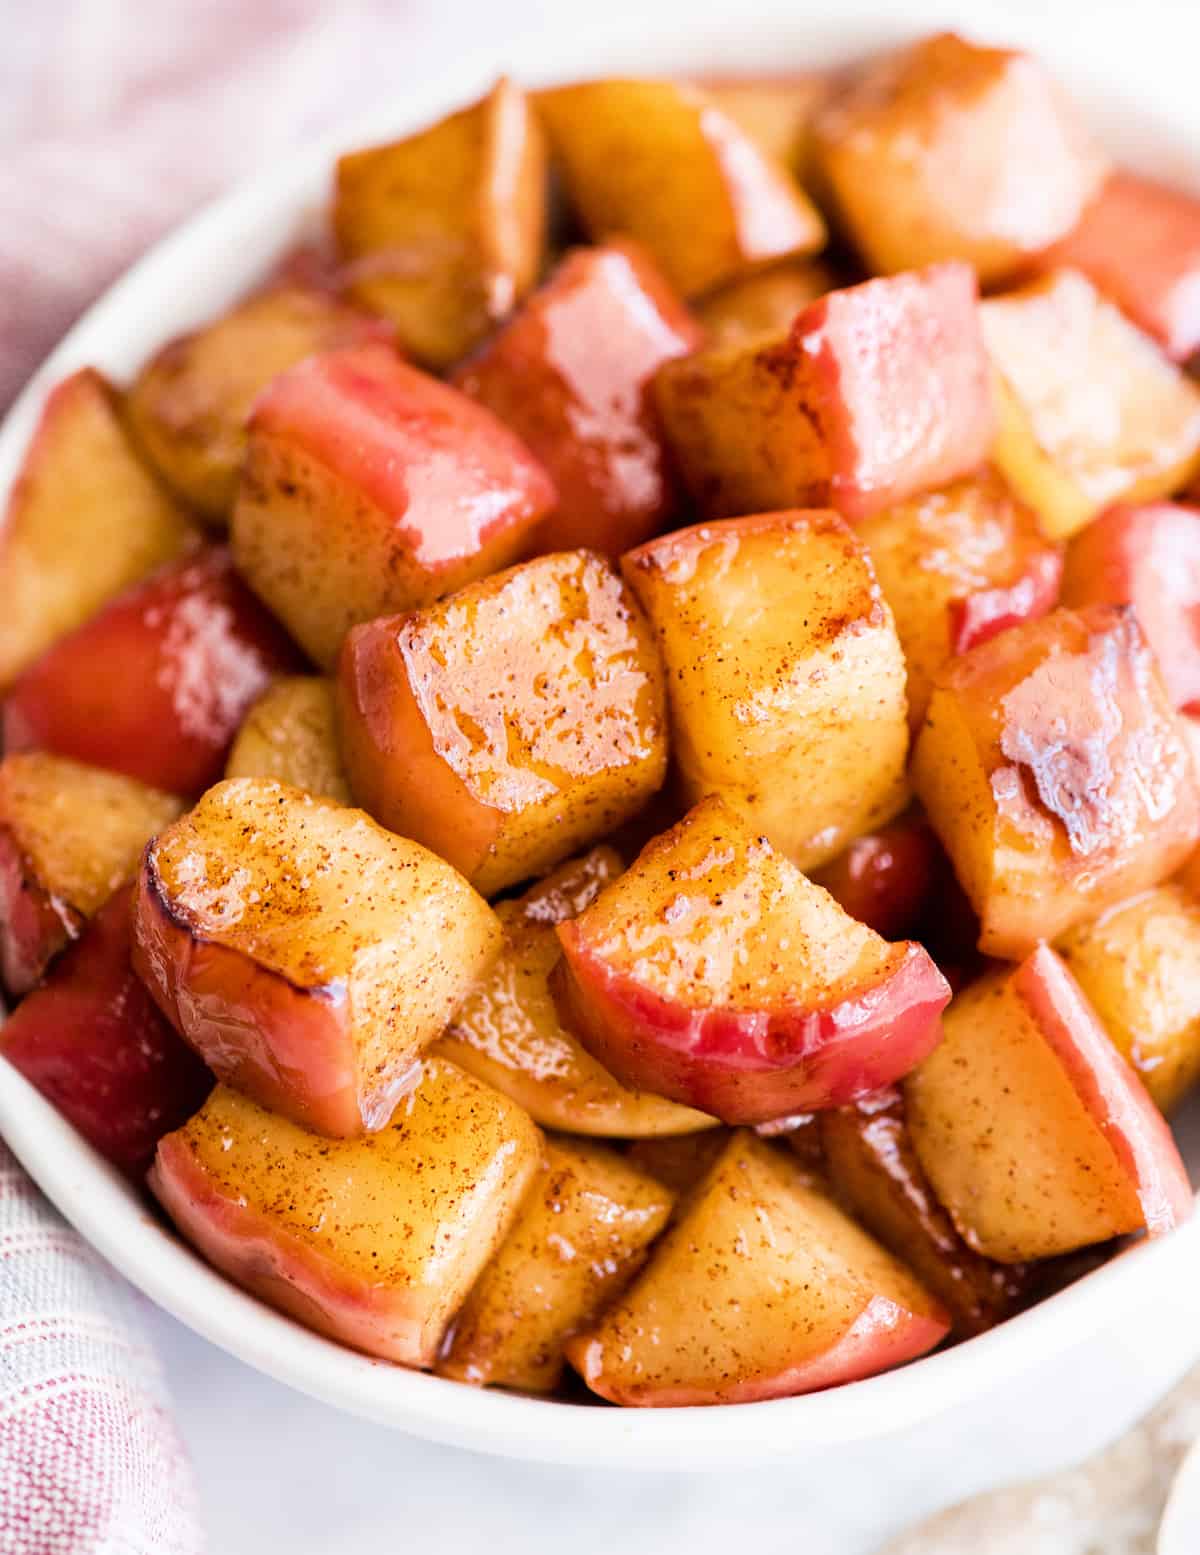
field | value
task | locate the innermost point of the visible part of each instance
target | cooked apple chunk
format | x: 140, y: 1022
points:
x: 582, y: 1233
x: 290, y: 734
x: 785, y: 679
x: 678, y: 1161
x: 188, y: 406
x: 658, y: 161
x: 1090, y: 411
x: 80, y: 477
x: 1036, y: 1134
x: 510, y: 724
x: 571, y: 374
x: 373, y: 1242
x: 369, y: 487
x: 508, y: 1033
x: 714, y: 973
x: 763, y: 1288
x: 156, y: 684
x: 777, y: 112
x: 950, y: 150
x: 69, y: 836
x: 444, y: 231
x: 764, y: 303
x: 957, y: 566
x: 305, y: 953
x: 1055, y: 774
x: 1139, y: 965
x: 885, y: 879
x: 874, y: 393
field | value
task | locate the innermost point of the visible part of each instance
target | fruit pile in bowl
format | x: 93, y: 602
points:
x: 600, y: 779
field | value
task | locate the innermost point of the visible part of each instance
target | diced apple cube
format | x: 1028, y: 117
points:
x: 777, y: 112
x: 290, y: 734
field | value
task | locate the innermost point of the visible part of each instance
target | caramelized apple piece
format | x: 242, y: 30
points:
x: 80, y: 478
x: 763, y: 1288
x: 1036, y: 1134
x: 678, y: 1161
x: 1139, y: 965
x: 949, y: 150
x: 785, y: 679
x: 660, y: 162
x: 508, y: 1033
x: 373, y: 1242
x: 157, y: 683
x: 957, y: 566
x: 371, y: 487
x: 583, y: 1232
x: 305, y: 953
x: 290, y: 734
x: 93, y: 1042
x: 188, y: 406
x: 69, y: 836
x: 1055, y: 775
x: 1091, y: 412
x: 875, y: 1172
x: 885, y: 878
x: 713, y: 972
x: 445, y: 230
x: 874, y: 393
x: 571, y: 374
x: 777, y: 112
x: 511, y: 724
x: 764, y: 303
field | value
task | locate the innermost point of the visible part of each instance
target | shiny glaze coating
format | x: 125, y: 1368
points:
x: 571, y: 374
x: 763, y: 1288
x: 1055, y: 774
x: 156, y: 685
x: 94, y: 1043
x: 713, y: 972
x: 507, y: 1031
x: 510, y: 724
x: 375, y: 1241
x: 305, y: 953
x: 289, y: 734
x: 371, y: 487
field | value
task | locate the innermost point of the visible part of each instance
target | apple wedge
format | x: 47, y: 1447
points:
x: 69, y: 836
x: 1056, y: 775
x: 1036, y: 1134
x: 80, y: 477
x: 290, y: 734
x: 372, y: 1242
x: 305, y: 953
x: 763, y: 1288
x: 714, y: 973
x: 92, y: 1040
x: 785, y: 679
x: 156, y: 685
x: 678, y: 1161
x: 571, y: 374
x: 870, y: 395
x: 371, y: 487
x: 511, y: 724
x: 583, y: 1231
x: 507, y: 1032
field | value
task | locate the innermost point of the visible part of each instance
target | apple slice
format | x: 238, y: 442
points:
x: 762, y: 1289
x: 93, y: 1042
x: 290, y: 734
x: 507, y: 1032
x: 714, y: 973
x: 571, y: 374
x: 874, y: 393
x: 370, y: 487
x: 373, y: 1242
x: 1036, y: 1134
x: 80, y: 477
x: 1056, y: 775
x: 1147, y: 557
x: 510, y: 724
x: 885, y: 878
x: 305, y: 953
x: 69, y: 836
x: 156, y: 685
x: 584, y: 1230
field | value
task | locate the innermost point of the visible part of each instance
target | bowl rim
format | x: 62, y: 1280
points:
x: 201, y: 266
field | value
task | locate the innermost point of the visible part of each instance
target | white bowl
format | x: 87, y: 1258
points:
x: 203, y: 267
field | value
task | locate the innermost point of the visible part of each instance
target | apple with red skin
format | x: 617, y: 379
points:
x: 35, y: 923
x: 981, y: 615
x: 156, y: 685
x: 92, y: 1040
x: 885, y: 877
